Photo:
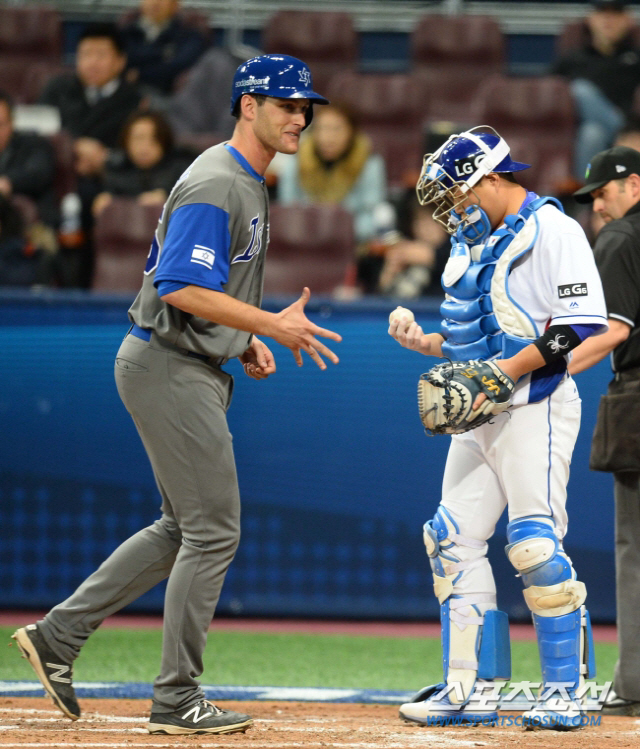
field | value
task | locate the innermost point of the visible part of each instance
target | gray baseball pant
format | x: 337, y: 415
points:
x: 627, y: 499
x: 179, y: 405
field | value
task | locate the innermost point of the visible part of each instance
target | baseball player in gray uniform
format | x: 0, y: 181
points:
x: 199, y: 306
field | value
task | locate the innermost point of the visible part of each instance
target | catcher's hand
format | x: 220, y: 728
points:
x: 446, y: 394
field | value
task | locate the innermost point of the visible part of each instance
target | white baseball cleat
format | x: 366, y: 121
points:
x: 432, y: 707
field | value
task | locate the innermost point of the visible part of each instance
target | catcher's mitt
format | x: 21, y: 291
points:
x: 447, y: 392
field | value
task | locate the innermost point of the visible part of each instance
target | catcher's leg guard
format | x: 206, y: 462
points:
x: 555, y: 598
x: 475, y: 636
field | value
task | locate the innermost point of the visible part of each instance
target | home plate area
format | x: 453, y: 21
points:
x: 114, y: 723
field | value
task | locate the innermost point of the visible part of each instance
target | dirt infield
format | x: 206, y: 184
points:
x: 106, y: 724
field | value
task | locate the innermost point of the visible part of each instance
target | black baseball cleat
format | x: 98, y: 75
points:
x: 616, y: 705
x: 203, y: 717
x: 55, y: 675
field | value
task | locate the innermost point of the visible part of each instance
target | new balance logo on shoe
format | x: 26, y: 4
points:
x: 203, y: 717
x: 197, y: 717
x: 59, y: 674
x: 55, y: 677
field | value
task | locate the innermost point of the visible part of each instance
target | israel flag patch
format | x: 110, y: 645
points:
x: 203, y: 256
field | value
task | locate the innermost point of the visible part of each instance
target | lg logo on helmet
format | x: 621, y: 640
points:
x: 572, y: 289
x: 467, y: 166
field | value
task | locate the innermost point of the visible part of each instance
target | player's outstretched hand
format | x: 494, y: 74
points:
x: 258, y: 361
x: 295, y: 331
x: 411, y: 336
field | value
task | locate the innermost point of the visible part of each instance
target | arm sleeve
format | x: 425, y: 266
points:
x: 196, y: 247
x: 558, y: 340
x: 166, y: 287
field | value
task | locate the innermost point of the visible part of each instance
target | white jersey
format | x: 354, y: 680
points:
x: 556, y: 283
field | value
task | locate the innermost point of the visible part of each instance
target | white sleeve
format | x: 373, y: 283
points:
x: 574, y: 287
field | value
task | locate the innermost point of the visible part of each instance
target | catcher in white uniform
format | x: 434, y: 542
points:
x: 522, y: 290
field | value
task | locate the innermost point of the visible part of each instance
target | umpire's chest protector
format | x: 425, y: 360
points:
x: 480, y: 318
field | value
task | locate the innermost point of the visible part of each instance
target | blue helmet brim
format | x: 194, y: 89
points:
x: 311, y: 95
x: 508, y: 165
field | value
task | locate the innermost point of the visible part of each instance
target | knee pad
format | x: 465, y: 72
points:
x: 475, y: 641
x: 551, y: 587
x: 450, y: 554
x: 555, y: 597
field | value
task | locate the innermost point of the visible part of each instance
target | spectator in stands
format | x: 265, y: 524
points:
x: 604, y: 73
x: 147, y: 167
x: 407, y: 263
x: 629, y: 134
x: 94, y: 103
x: 202, y: 104
x: 160, y: 46
x: 336, y: 164
x: 21, y: 262
x: 27, y: 164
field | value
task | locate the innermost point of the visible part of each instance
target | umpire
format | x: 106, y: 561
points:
x: 613, y: 185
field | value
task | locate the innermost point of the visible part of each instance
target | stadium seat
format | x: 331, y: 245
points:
x: 123, y: 233
x: 33, y: 32
x: 535, y: 110
x: 325, y: 40
x: 392, y: 110
x: 455, y: 54
x: 197, y: 143
x: 23, y: 78
x: 310, y: 246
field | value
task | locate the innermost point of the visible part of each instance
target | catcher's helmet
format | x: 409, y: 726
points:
x: 280, y: 76
x: 449, y: 175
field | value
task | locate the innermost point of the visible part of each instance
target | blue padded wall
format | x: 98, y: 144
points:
x: 336, y: 474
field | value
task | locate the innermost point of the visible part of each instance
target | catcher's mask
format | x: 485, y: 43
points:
x: 449, y: 175
x: 280, y: 76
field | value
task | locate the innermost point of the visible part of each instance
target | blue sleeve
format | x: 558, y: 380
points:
x: 166, y: 287
x: 196, y: 247
x: 584, y: 331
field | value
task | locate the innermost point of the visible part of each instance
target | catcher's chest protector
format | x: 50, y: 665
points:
x: 481, y: 319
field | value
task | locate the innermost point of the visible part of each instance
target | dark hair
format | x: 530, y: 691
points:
x: 343, y: 109
x: 7, y: 99
x: 162, y: 130
x: 103, y: 31
x: 508, y: 177
x: 260, y: 98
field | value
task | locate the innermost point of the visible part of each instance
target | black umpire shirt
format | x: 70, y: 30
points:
x: 617, y: 254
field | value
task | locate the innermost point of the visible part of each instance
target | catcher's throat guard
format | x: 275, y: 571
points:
x: 446, y: 394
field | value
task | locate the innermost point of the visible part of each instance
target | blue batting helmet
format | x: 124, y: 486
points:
x: 280, y: 76
x: 449, y: 175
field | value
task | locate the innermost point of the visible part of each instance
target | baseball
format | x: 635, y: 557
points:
x: 401, y: 313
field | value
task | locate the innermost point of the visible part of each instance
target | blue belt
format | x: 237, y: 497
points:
x: 139, y: 332
x: 145, y: 335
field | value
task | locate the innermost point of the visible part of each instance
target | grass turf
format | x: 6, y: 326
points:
x: 290, y: 660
